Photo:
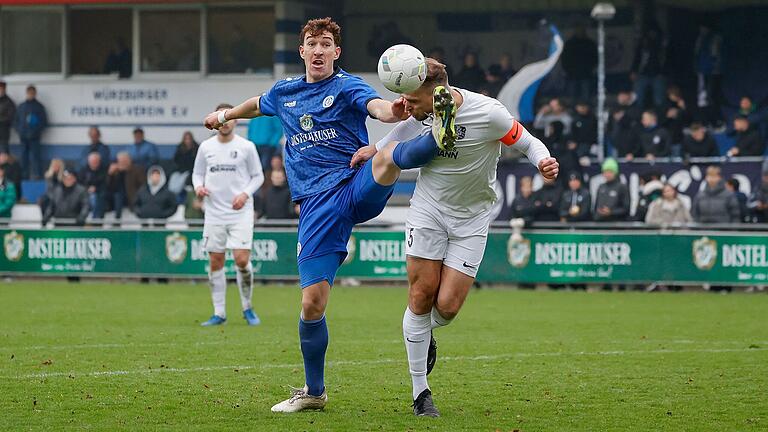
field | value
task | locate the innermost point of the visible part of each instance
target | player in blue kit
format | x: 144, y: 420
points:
x: 337, y: 178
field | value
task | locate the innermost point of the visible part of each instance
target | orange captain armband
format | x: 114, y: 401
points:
x: 514, y: 133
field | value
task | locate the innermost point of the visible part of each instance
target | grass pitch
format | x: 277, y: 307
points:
x: 106, y: 356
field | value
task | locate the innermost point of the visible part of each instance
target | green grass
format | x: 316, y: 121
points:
x: 104, y: 356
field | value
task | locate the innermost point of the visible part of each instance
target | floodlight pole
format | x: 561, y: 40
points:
x: 601, y: 12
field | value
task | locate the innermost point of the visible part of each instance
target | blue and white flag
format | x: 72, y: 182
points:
x: 519, y: 92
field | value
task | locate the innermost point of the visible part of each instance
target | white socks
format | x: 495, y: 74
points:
x: 245, y: 284
x: 218, y: 283
x: 438, y: 320
x: 417, y: 332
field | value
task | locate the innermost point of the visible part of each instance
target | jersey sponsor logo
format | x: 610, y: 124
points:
x: 306, y: 122
x: 461, y: 132
x: 452, y: 154
x: 321, y: 135
x: 290, y: 104
x: 328, y: 101
x: 223, y: 168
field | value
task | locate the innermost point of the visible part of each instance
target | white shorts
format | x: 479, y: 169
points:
x: 458, y: 242
x: 219, y: 238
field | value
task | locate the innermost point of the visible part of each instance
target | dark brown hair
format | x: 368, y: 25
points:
x: 222, y: 106
x: 316, y: 27
x: 436, y: 74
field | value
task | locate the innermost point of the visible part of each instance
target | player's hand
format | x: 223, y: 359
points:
x: 239, y: 201
x: 549, y: 168
x: 212, y: 121
x: 201, y: 192
x: 398, y: 109
x: 362, y: 155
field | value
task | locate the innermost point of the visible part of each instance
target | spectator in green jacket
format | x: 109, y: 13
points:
x: 7, y: 195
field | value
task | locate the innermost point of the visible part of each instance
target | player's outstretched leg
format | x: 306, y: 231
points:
x: 443, y: 125
x: 217, y: 281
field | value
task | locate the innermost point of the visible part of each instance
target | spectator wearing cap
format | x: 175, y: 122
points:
x: 576, y: 203
x: 143, y: 152
x: 654, y: 140
x: 699, y: 143
x: 94, y: 136
x: 124, y: 179
x: 748, y: 141
x: 758, y: 201
x: 154, y: 200
x: 715, y: 204
x: 7, y: 195
x: 30, y: 122
x: 584, y: 128
x: 68, y: 201
x: 12, y: 170
x: 7, y: 114
x: 612, y: 200
x: 94, y: 177
x: 668, y: 209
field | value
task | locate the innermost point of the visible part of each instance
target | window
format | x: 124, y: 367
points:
x: 31, y: 41
x: 240, y: 40
x: 170, y: 41
x: 100, y: 42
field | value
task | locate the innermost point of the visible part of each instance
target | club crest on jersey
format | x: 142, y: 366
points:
x: 328, y: 101
x: 306, y: 122
x: 461, y: 132
x: 233, y: 154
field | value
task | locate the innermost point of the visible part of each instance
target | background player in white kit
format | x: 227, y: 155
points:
x: 227, y: 173
x: 447, y: 225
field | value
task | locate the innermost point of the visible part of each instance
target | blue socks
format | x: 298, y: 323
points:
x: 314, y: 342
x: 414, y: 153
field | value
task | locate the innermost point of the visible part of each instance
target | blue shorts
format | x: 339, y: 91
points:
x: 326, y: 221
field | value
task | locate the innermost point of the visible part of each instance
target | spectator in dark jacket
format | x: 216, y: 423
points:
x: 184, y: 160
x: 758, y: 201
x: 732, y: 185
x: 699, y: 143
x: 579, y: 60
x: 748, y: 140
x: 143, y: 152
x: 94, y: 177
x: 68, y: 201
x: 650, y: 190
x: 123, y: 182
x: 7, y: 195
x: 12, y: 171
x: 522, y: 205
x: 31, y: 120
x: 647, y: 66
x: 625, y: 126
x: 612, y: 200
x: 155, y: 201
x: 546, y: 202
x: 471, y: 76
x: 7, y: 115
x: 715, y: 204
x: 277, y: 203
x: 654, y: 140
x: 576, y: 203
x: 675, y: 114
x: 584, y: 128
x: 94, y: 135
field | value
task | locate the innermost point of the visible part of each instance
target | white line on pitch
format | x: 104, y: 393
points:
x: 376, y: 361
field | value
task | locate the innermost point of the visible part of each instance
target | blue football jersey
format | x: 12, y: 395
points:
x: 324, y: 124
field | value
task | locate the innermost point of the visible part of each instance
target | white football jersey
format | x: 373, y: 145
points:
x: 226, y: 170
x: 461, y: 182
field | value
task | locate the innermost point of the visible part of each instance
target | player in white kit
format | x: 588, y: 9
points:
x: 447, y: 224
x: 226, y: 174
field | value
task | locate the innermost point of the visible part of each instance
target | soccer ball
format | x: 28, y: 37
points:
x: 402, y: 68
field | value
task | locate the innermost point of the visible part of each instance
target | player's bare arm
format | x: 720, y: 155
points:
x: 246, y: 110
x: 386, y: 111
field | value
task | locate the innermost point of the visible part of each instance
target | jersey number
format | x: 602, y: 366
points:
x: 410, y: 237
